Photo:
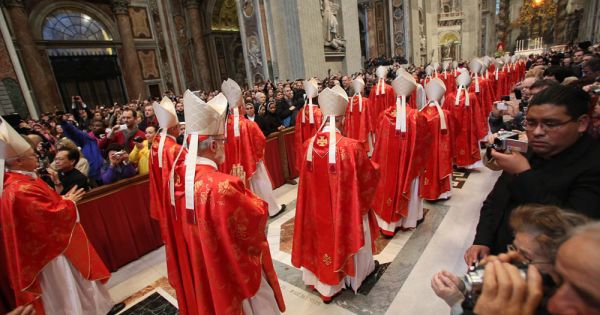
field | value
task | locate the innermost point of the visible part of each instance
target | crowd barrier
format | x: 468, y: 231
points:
x: 280, y: 157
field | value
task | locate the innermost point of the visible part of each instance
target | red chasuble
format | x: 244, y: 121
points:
x: 248, y: 149
x: 484, y: 97
x: 502, y: 85
x: 466, y: 139
x: 357, y: 123
x: 328, y: 229
x: 305, y: 130
x: 401, y: 158
x: 435, y: 179
x: 38, y: 225
x: 225, y: 244
x: 162, y: 210
x: 380, y: 102
x: 449, y: 81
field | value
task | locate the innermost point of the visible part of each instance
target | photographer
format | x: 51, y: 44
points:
x: 561, y: 168
x: 67, y: 176
x: 576, y: 265
x: 539, y: 231
x: 141, y: 151
x: 88, y: 144
x: 118, y: 166
x: 81, y: 112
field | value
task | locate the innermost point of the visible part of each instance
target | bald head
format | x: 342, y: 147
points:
x: 577, y: 264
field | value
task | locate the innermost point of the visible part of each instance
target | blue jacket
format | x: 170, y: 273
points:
x: 89, y: 148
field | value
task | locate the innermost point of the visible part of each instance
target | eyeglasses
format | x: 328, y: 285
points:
x: 549, y: 125
x: 525, y: 258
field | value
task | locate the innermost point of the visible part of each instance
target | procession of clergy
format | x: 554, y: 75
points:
x: 365, y: 164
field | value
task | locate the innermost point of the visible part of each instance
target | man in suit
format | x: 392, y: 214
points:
x: 561, y: 168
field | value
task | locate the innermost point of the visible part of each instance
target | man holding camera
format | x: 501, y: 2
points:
x: 562, y: 168
x: 124, y: 134
x: 119, y: 166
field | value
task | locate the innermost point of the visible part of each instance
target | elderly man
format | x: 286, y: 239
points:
x: 51, y: 262
x: 226, y: 265
x: 576, y: 265
x: 562, y: 168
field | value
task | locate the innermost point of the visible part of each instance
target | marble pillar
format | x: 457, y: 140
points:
x: 131, y: 69
x: 352, y: 62
x: 35, y: 62
x: 200, y: 50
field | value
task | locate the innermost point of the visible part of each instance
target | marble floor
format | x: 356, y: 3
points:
x: 401, y: 285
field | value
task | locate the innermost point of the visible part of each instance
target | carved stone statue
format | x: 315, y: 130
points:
x: 329, y: 12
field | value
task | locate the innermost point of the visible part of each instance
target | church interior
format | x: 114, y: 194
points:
x: 74, y: 59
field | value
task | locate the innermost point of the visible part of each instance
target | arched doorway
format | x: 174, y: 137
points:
x: 224, y: 41
x: 82, y: 54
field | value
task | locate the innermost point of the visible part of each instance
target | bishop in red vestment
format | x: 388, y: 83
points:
x: 357, y: 124
x: 401, y: 152
x: 245, y: 147
x: 164, y: 154
x: 466, y: 112
x: 51, y: 262
x: 435, y: 181
x: 223, y: 224
x: 309, y: 119
x: 334, y: 228
x: 381, y: 96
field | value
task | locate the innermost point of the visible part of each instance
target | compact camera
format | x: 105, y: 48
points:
x: 506, y: 141
x: 474, y: 279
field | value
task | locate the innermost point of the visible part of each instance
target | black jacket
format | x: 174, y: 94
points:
x: 571, y: 180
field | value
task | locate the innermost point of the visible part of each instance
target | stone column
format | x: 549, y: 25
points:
x: 35, y: 62
x: 200, y: 52
x: 132, y: 72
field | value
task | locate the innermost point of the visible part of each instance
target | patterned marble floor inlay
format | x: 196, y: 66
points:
x: 459, y: 177
x: 156, y: 301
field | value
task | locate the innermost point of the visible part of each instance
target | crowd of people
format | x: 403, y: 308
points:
x: 371, y: 147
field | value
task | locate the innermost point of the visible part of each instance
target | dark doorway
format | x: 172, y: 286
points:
x: 96, y: 78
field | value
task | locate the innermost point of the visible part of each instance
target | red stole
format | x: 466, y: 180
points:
x: 435, y: 179
x: 38, y: 225
x: 401, y: 158
x: 329, y: 215
x: 380, y: 102
x: 226, y: 248
x: 305, y: 130
x: 357, y: 124
x: 248, y: 149
x: 466, y: 139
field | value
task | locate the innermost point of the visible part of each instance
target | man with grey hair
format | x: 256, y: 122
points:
x: 505, y: 292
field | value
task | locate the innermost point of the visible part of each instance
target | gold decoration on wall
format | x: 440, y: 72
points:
x: 534, y: 13
x: 225, y: 18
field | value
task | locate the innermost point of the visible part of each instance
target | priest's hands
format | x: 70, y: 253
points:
x: 475, y: 253
x: 74, y: 194
x: 238, y: 171
x: 505, y: 292
x: 511, y: 162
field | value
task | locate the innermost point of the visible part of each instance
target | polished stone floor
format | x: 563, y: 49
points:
x: 401, y: 285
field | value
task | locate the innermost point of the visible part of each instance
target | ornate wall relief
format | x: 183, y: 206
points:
x: 399, y: 26
x: 251, y: 32
x: 140, y: 26
x: 149, y: 64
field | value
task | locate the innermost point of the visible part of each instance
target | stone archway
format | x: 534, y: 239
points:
x: 81, y: 44
x: 224, y: 41
x: 449, y: 48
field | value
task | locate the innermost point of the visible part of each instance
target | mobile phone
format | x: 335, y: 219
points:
x: 122, y: 127
x: 501, y: 106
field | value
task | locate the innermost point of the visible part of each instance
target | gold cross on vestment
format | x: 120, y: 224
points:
x: 322, y: 141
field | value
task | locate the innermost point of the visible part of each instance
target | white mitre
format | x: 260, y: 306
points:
x: 167, y: 117
x: 12, y: 145
x: 333, y: 102
x: 202, y: 121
